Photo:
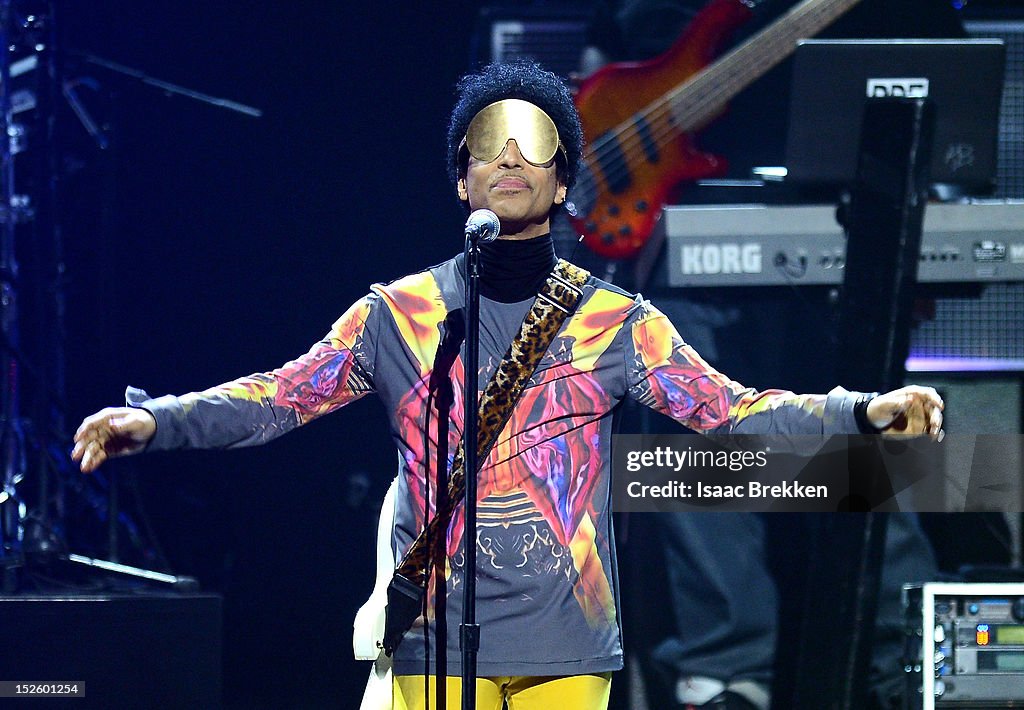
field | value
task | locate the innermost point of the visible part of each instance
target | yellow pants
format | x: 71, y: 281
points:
x: 571, y: 692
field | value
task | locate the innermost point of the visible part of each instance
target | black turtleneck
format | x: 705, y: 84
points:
x: 513, y: 270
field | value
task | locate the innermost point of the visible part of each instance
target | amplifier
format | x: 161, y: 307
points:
x: 965, y: 646
x: 552, y: 35
x: 1010, y: 149
x: 758, y: 245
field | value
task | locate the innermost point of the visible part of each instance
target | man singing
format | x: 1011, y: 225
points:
x: 546, y: 589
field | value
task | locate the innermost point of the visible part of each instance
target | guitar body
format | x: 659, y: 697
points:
x: 631, y: 167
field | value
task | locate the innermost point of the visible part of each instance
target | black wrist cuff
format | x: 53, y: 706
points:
x: 860, y: 415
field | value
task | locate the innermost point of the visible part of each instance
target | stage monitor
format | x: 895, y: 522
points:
x: 833, y: 78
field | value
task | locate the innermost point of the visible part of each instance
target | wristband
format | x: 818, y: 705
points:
x: 860, y: 414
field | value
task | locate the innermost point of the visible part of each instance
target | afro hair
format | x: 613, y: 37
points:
x: 516, y: 80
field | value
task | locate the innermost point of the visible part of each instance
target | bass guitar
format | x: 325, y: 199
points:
x: 638, y: 118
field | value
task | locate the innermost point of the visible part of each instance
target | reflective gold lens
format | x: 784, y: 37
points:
x: 495, y: 125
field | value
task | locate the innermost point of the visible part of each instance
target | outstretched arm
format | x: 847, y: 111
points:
x: 669, y: 376
x: 247, y: 411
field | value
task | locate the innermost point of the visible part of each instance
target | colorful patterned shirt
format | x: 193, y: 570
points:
x: 547, y: 585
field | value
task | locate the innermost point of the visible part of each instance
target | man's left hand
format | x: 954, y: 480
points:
x: 908, y: 411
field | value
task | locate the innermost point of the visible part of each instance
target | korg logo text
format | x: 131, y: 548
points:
x: 916, y: 88
x: 722, y: 258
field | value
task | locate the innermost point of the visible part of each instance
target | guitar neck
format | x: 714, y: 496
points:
x: 702, y: 97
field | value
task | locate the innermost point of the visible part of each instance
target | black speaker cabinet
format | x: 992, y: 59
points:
x: 551, y: 34
x: 1007, y: 25
x: 152, y: 651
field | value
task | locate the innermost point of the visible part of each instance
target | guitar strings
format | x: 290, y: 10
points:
x: 632, y: 143
x: 664, y: 104
x: 669, y: 129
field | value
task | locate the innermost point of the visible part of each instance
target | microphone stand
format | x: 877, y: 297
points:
x: 166, y: 86
x: 469, y: 630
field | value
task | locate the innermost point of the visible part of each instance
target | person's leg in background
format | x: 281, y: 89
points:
x: 725, y: 606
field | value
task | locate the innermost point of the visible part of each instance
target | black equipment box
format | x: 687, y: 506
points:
x: 965, y: 646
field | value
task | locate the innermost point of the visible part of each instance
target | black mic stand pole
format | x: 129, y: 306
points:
x: 469, y: 630
x: 164, y: 86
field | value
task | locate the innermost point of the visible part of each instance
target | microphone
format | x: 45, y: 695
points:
x: 483, y: 226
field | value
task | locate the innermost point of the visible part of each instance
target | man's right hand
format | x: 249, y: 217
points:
x: 114, y: 431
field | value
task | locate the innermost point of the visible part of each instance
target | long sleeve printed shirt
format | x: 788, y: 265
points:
x: 546, y: 581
